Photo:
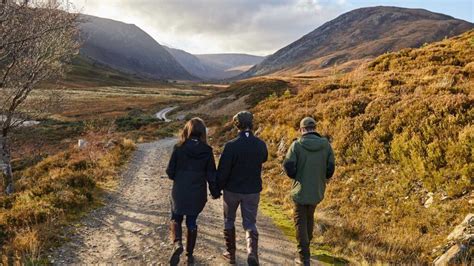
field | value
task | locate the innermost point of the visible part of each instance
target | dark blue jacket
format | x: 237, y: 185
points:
x: 191, y: 167
x: 240, y: 166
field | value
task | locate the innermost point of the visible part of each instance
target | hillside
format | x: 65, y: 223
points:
x: 358, y: 34
x: 129, y: 49
x: 402, y: 131
x: 198, y: 68
x: 85, y: 72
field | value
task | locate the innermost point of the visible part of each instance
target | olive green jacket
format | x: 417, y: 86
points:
x: 310, y: 162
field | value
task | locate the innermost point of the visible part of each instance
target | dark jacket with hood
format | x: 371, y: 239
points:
x: 310, y: 162
x: 240, y: 166
x: 191, y: 167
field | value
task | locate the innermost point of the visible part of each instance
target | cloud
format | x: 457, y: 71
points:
x: 211, y: 26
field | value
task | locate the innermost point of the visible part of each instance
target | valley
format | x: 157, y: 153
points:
x: 390, y: 88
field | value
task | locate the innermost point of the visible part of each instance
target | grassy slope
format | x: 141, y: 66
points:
x: 401, y: 128
x: 54, y: 192
x: 85, y: 72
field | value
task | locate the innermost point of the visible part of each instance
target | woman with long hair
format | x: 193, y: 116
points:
x: 191, y: 167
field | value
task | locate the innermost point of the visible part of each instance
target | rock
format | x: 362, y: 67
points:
x: 463, y: 230
x: 461, y: 243
x: 81, y: 144
x: 429, y: 201
x: 452, y: 256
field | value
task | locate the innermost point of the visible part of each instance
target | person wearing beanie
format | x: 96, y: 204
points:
x: 310, y: 163
x: 239, y: 175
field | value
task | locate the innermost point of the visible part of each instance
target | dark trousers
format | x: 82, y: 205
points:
x: 248, y: 207
x: 304, y: 223
x: 191, y: 220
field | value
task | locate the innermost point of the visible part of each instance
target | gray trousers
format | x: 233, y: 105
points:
x: 248, y: 207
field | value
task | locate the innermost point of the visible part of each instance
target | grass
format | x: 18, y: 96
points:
x: 401, y: 127
x: 54, y: 192
x: 284, y: 222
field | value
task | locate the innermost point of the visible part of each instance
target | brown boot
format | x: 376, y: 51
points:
x: 176, y: 236
x: 252, y: 248
x: 190, y: 244
x: 229, y: 236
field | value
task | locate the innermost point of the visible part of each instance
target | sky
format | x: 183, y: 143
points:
x: 258, y: 27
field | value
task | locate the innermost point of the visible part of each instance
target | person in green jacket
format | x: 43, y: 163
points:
x: 310, y: 163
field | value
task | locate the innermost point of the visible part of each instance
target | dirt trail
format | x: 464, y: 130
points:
x: 132, y: 228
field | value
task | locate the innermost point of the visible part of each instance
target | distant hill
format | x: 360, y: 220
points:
x: 233, y: 64
x: 215, y: 66
x: 358, y: 34
x: 196, y: 67
x: 127, y: 48
x: 85, y: 72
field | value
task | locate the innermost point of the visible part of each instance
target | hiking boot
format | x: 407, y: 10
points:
x: 252, y: 248
x: 229, y: 237
x: 176, y: 233
x: 190, y: 244
x: 301, y: 261
x: 303, y: 257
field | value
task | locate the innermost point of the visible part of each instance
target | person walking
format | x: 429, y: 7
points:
x: 239, y: 175
x: 190, y: 167
x: 310, y: 163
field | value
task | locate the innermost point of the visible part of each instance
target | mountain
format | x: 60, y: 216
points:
x: 358, y: 34
x: 127, y: 48
x: 214, y: 66
x: 196, y: 67
x: 233, y: 64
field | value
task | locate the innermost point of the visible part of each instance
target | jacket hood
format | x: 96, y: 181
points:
x: 313, y: 142
x: 196, y: 149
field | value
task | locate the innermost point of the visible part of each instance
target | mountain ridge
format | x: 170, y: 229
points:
x: 357, y: 34
x: 128, y: 48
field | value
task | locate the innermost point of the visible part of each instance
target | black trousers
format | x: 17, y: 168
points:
x: 304, y: 223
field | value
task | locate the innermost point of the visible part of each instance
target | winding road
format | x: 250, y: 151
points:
x: 132, y: 227
x: 162, y: 113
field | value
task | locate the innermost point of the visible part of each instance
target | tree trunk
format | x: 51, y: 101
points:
x: 5, y: 164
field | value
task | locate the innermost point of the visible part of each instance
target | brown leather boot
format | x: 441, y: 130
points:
x: 229, y: 237
x: 176, y: 233
x: 252, y: 248
x: 190, y: 244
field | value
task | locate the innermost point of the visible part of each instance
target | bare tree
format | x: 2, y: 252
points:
x: 37, y: 40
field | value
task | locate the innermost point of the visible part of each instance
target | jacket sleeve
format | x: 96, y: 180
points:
x: 211, y: 177
x: 171, y: 169
x: 289, y: 164
x: 225, y: 166
x: 331, y: 167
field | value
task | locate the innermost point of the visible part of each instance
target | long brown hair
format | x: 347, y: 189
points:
x: 194, y: 128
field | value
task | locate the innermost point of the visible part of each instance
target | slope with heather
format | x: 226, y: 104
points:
x: 402, y: 131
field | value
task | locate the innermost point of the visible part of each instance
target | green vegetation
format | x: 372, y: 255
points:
x: 401, y: 128
x: 85, y: 71
x: 135, y: 120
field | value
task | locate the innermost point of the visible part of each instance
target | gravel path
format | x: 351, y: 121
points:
x: 132, y: 228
